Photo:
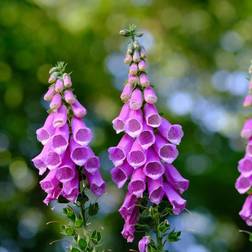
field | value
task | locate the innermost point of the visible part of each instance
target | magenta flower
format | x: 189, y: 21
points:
x: 143, y: 244
x: 246, y: 212
x: 243, y: 183
x: 66, y: 156
x: 147, y: 149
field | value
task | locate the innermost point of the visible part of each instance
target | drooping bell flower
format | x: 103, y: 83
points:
x: 143, y: 157
x: 143, y: 244
x: 243, y: 183
x: 246, y: 212
x: 65, y: 138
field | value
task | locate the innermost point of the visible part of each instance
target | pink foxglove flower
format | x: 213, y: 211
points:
x: 143, y: 244
x: 66, y: 156
x: 243, y: 183
x: 147, y: 149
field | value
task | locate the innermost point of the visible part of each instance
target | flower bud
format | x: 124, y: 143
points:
x: 128, y: 59
x: 49, y: 94
x: 124, y: 32
x: 150, y: 95
x: 52, y: 70
x: 56, y: 102
x: 136, y: 56
x: 67, y: 80
x: 133, y: 80
x: 78, y: 110
x: 250, y: 85
x: 136, y: 45
x: 53, y: 77
x: 144, y: 80
x: 69, y: 97
x: 126, y: 93
x: 247, y: 102
x: 142, y: 66
x: 130, y: 49
x: 136, y: 99
x: 133, y: 69
x: 142, y: 53
x: 59, y: 85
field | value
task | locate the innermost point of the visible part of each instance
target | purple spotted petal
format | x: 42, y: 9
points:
x: 134, y: 123
x: 136, y: 156
x: 152, y: 117
x: 60, y: 117
x: 60, y: 139
x: 119, y: 121
x: 118, y: 153
x: 146, y: 137
x: 81, y: 133
x: 44, y: 133
x: 153, y: 168
x: 155, y: 188
x: 167, y: 152
x: 79, y: 153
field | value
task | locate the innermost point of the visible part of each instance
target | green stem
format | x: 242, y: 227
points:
x: 83, y: 214
x: 159, y: 236
x: 159, y: 241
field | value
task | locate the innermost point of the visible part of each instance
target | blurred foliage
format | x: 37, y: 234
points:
x: 199, y: 51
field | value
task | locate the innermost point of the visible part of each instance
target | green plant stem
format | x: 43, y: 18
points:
x: 159, y: 239
x: 83, y: 214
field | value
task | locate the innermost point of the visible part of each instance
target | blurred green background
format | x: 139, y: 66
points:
x: 198, y: 52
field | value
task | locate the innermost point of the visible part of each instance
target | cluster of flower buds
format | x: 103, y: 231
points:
x: 244, y: 182
x: 66, y: 156
x: 148, y: 147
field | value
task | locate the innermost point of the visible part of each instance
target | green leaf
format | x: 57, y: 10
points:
x: 69, y: 212
x: 69, y: 231
x: 78, y: 223
x: 82, y: 244
x: 163, y: 226
x: 98, y: 236
x: 152, y: 248
x: 174, y: 236
x: 167, y: 211
x: 95, y: 237
x: 82, y: 198
x: 93, y: 209
x: 75, y: 250
x: 250, y: 237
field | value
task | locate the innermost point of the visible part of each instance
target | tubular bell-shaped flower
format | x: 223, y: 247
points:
x: 147, y: 149
x: 243, y: 183
x: 68, y: 164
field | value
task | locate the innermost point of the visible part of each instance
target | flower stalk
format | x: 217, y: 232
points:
x: 243, y: 183
x: 68, y: 165
x: 144, y: 157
